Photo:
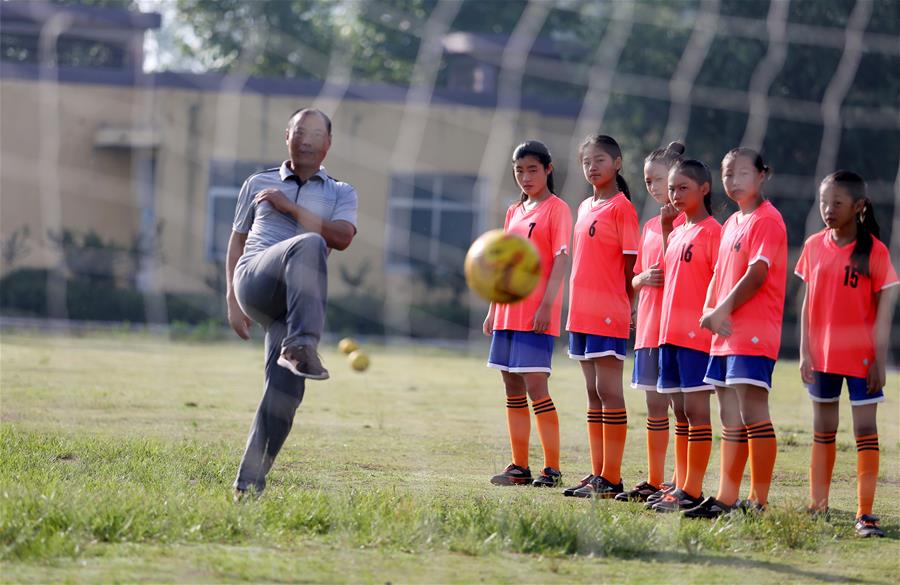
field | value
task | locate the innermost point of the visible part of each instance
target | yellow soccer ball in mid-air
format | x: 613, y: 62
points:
x: 359, y: 360
x: 348, y: 345
x: 502, y: 267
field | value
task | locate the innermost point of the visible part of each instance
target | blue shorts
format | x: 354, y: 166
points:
x: 521, y: 352
x: 728, y: 370
x: 827, y: 388
x: 682, y: 370
x: 646, y: 369
x: 584, y: 346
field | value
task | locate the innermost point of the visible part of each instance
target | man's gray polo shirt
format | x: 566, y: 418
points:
x: 322, y: 195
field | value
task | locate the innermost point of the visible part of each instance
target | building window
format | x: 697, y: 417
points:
x: 432, y: 219
x: 225, y: 180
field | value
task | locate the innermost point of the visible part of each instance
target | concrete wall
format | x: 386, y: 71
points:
x: 96, y: 188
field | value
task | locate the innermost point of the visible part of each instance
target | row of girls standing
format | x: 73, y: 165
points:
x: 709, y: 312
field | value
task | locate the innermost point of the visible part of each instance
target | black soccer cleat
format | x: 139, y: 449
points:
x: 867, y: 526
x: 599, y: 487
x: 640, y: 493
x: 709, y: 508
x: 677, y: 501
x: 549, y: 477
x: 570, y: 491
x: 513, y: 475
x: 653, y: 498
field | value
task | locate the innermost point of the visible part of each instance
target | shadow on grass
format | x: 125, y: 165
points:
x: 738, y: 563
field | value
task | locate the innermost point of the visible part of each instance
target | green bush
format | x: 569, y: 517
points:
x: 23, y: 292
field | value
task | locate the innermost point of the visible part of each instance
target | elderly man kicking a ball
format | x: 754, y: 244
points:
x: 286, y: 221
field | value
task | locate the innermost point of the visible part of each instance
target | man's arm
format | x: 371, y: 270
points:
x: 236, y: 317
x: 337, y: 234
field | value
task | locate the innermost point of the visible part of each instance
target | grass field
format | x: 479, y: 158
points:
x: 118, y: 453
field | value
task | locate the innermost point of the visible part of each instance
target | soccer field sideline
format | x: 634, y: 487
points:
x: 420, y: 431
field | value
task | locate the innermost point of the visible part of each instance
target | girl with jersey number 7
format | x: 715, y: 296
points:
x: 605, y: 244
x: 523, y: 333
x: 844, y: 334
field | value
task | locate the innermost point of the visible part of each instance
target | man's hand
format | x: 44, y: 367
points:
x: 542, y: 317
x: 238, y: 320
x: 277, y: 199
x: 876, y: 377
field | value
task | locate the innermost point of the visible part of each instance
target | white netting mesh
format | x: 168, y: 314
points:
x: 728, y: 74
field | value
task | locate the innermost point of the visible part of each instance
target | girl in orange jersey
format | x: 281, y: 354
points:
x: 691, y: 250
x: 648, y: 286
x: 744, y: 309
x: 845, y: 332
x: 523, y: 333
x: 605, y: 245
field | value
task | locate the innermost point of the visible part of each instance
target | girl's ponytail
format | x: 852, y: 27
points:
x: 866, y: 229
x: 866, y: 225
x: 622, y: 185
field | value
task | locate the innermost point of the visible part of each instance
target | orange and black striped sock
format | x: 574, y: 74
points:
x: 733, y: 460
x: 548, y: 430
x: 595, y: 439
x: 518, y: 422
x: 615, y: 427
x: 821, y: 466
x: 699, y: 448
x: 867, y: 460
x: 763, y: 449
x: 681, y: 452
x: 657, y: 444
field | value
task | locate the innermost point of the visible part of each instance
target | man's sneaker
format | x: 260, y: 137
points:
x: 513, y: 475
x: 709, y: 508
x: 640, y: 493
x: 653, y: 498
x: 667, y: 485
x: 677, y: 501
x: 549, y: 477
x: 570, y: 491
x: 867, y: 525
x: 816, y: 513
x: 303, y: 361
x: 599, y: 487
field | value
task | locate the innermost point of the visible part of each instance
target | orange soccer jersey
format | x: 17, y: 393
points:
x: 841, y: 303
x: 756, y: 325
x: 650, y: 252
x: 689, y: 262
x: 604, y: 233
x: 549, y: 227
